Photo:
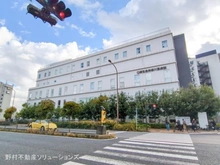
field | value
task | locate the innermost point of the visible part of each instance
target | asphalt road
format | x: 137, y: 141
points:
x: 128, y: 148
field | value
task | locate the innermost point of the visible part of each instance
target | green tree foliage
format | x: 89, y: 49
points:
x: 9, y: 112
x: 71, y: 109
x: 1, y: 110
x: 92, y: 108
x: 57, y: 112
x: 123, y: 106
x: 27, y: 112
x: 165, y: 103
x: 45, y: 109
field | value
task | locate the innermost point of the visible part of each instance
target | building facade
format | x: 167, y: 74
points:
x: 5, y: 97
x: 205, y: 69
x: 149, y: 63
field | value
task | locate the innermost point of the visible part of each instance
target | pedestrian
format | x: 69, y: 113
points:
x: 194, y: 124
x: 167, y: 124
x: 184, y: 125
x: 179, y: 125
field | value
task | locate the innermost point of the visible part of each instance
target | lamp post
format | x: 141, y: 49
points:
x: 117, y: 118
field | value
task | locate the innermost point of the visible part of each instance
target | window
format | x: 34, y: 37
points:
x: 58, y: 103
x: 60, y: 70
x: 92, y: 86
x: 49, y: 74
x: 87, y: 74
x: 104, y: 59
x: 47, y: 93
x: 74, y: 89
x: 73, y: 68
x: 68, y: 69
x: 36, y: 94
x: 137, y: 80
x: 164, y: 44
x: 122, y: 82
x: 148, y: 48
x: 56, y: 72
x: 60, y: 91
x: 72, y: 76
x: 82, y: 65
x: 39, y: 75
x: 81, y: 88
x: 55, y: 81
x: 112, y: 84
x: 97, y: 72
x: 124, y: 54
x: 138, y: 50
x: 65, y: 90
x: 30, y: 95
x: 167, y: 76
x: 98, y: 61
x: 45, y: 74
x: 148, y: 79
x: 40, y: 94
x: 116, y: 56
x: 52, y: 92
x: 88, y: 63
x: 99, y: 85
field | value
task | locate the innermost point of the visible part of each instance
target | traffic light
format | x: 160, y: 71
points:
x: 61, y: 11
x: 103, y: 116
x: 154, y: 106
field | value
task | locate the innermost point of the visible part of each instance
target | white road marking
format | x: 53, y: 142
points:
x: 107, y: 160
x: 144, y: 158
x: 160, y: 142
x: 152, y: 153
x: 72, y: 163
x: 158, y: 145
x: 154, y: 148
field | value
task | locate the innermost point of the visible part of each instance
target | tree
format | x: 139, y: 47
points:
x: 71, y: 109
x: 27, y: 111
x: 165, y: 103
x: 9, y: 112
x: 45, y: 109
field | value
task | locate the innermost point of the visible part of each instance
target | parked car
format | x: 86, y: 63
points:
x: 43, y: 125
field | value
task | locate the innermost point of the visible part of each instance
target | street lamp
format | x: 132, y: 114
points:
x: 117, y: 119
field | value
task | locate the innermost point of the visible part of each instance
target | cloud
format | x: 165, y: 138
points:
x: 197, y: 20
x: 22, y: 59
x: 82, y: 32
x: 88, y: 8
x: 2, y: 22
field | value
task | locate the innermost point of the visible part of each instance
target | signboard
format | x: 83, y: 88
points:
x: 203, y: 120
x: 186, y: 118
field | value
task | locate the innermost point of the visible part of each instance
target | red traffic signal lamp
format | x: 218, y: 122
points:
x: 154, y: 106
x: 61, y: 11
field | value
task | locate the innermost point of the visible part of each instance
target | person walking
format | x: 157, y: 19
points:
x: 184, y: 125
x: 167, y: 124
x: 194, y: 124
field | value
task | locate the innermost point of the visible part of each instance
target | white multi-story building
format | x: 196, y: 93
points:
x: 206, y: 67
x: 154, y: 62
x: 5, y: 97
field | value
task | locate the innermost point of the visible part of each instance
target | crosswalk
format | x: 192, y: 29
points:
x: 152, y: 148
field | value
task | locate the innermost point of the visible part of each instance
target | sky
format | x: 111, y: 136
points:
x: 27, y: 44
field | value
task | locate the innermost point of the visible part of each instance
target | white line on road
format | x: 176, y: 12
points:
x: 144, y: 158
x: 107, y: 160
x: 72, y: 163
x: 160, y: 142
x: 158, y: 145
x: 153, y: 153
x: 154, y: 148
